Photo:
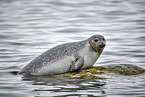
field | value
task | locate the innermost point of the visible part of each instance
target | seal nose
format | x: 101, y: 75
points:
x: 102, y: 44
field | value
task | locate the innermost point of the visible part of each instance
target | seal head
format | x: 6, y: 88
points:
x: 97, y: 42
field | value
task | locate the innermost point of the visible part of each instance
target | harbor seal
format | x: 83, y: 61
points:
x: 67, y: 57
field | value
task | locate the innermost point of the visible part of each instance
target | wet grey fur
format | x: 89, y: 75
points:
x: 60, y: 59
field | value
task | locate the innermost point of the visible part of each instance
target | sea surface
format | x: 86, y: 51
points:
x: 30, y: 27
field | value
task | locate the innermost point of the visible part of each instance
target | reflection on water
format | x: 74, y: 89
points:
x: 28, y: 28
x: 67, y: 87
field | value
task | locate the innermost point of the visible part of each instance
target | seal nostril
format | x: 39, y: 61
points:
x: 103, y: 45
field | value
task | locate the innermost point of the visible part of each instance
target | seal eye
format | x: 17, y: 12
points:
x: 96, y: 40
x: 103, y: 39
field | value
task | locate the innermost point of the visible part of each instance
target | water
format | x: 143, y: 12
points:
x: 30, y: 27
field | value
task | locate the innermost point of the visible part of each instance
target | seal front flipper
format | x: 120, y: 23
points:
x: 77, y: 64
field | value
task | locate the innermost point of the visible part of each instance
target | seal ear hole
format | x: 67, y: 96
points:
x: 66, y: 51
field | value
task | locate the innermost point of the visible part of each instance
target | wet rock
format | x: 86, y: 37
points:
x: 125, y: 69
x: 94, y: 72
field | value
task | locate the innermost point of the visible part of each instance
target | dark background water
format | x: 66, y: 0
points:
x: 30, y: 27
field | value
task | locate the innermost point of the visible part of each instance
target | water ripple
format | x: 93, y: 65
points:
x: 28, y: 28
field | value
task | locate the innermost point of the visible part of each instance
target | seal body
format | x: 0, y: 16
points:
x: 67, y: 57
